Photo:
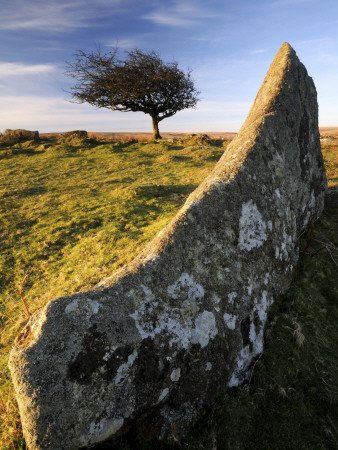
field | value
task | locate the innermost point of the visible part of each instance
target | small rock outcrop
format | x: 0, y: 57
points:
x: 21, y: 135
x: 77, y: 133
x: 170, y: 331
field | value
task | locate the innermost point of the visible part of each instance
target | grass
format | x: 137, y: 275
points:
x: 330, y: 153
x: 73, y: 211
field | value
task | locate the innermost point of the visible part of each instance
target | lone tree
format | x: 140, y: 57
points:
x: 141, y: 82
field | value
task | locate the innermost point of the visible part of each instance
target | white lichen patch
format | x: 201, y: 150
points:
x: 230, y: 320
x: 72, y: 306
x: 168, y: 322
x: 163, y: 395
x: 144, y: 325
x: 86, y: 305
x: 205, y: 329
x: 108, y: 354
x: 286, y: 245
x: 312, y: 201
x: 187, y: 286
x: 147, y: 292
x: 277, y: 252
x: 252, y: 334
x: 104, y: 429
x: 242, y: 361
x: 175, y: 374
x: 262, y: 306
x: 123, y: 371
x: 208, y: 366
x: 95, y: 306
x: 252, y: 228
x: 231, y: 297
x: 181, y: 326
x: 266, y: 278
x: 256, y: 337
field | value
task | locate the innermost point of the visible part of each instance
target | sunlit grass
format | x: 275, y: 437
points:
x: 72, y: 213
x: 330, y: 153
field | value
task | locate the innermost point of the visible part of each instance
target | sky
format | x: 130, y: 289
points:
x: 229, y: 45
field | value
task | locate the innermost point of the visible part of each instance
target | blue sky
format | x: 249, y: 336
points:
x: 229, y: 45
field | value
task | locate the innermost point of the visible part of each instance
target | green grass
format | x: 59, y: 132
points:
x: 72, y: 212
x: 75, y: 211
x: 330, y: 153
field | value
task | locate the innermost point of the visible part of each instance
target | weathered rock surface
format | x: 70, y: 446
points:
x: 21, y: 135
x: 167, y: 333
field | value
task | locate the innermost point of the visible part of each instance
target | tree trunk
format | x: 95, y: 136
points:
x: 156, y: 132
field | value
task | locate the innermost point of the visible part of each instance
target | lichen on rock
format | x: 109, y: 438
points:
x: 171, y: 330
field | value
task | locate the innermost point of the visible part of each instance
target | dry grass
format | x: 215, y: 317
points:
x: 328, y: 131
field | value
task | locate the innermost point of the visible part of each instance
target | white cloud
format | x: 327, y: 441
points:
x: 312, y: 41
x: 162, y: 18
x: 125, y: 44
x: 8, y: 69
x: 283, y: 3
x: 258, y: 51
x: 181, y: 14
x: 54, y: 15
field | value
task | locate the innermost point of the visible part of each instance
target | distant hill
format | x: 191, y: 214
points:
x: 324, y: 131
x: 146, y: 136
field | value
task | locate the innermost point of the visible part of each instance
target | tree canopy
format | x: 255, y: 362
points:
x: 140, y: 82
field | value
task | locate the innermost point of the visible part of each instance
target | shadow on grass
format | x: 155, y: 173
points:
x: 159, y: 190
x: 11, y: 152
x: 176, y: 147
x: 28, y: 192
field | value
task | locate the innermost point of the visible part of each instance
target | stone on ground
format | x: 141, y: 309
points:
x: 21, y: 135
x: 77, y: 133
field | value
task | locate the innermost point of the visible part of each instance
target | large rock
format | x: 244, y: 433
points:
x: 166, y: 334
x: 21, y: 135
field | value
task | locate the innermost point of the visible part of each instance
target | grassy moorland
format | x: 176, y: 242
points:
x: 73, y: 211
